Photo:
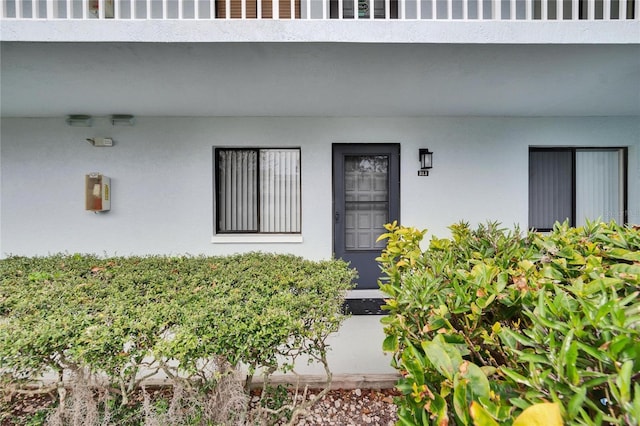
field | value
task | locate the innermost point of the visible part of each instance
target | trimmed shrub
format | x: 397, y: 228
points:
x: 491, y: 325
x: 193, y: 318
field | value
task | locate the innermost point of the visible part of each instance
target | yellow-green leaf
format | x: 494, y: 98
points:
x: 480, y: 416
x: 543, y: 414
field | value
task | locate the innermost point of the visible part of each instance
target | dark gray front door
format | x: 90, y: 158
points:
x: 366, y: 195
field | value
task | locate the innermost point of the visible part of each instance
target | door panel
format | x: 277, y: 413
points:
x: 366, y: 193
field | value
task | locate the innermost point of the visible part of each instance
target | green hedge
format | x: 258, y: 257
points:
x: 491, y: 324
x: 112, y: 315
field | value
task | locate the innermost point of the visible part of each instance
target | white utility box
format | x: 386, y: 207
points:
x: 97, y: 192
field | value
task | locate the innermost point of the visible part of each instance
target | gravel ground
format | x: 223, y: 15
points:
x: 339, y: 407
x: 352, y: 407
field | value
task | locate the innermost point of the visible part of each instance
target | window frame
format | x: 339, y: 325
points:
x: 242, y: 234
x: 573, y: 150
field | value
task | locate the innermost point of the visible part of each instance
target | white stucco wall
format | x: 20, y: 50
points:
x: 161, y: 174
x: 319, y: 30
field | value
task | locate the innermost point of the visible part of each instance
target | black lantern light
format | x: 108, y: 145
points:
x: 426, y: 161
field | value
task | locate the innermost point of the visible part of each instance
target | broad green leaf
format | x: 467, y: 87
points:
x: 390, y: 344
x: 543, y: 414
x: 594, y: 352
x: 460, y: 400
x: 618, y: 344
x: 499, y: 412
x: 510, y: 337
x: 558, y: 326
x: 439, y: 408
x: 518, y: 378
x: 488, y: 370
x: 531, y: 357
x: 619, y: 253
x: 635, y: 407
x: 562, y: 355
x: 485, y: 301
x: 571, y: 370
x: 450, y: 345
x: 439, y: 358
x: 549, y: 271
x: 601, y: 284
x: 478, y: 383
x: 623, y: 381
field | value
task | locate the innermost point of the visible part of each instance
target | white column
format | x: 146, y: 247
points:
x: 622, y: 14
x: 606, y: 10
x: 52, y: 9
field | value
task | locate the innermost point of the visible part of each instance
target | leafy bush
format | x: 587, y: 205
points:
x: 193, y: 318
x: 490, y: 325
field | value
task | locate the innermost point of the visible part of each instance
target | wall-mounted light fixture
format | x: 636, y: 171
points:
x: 426, y: 161
x: 77, y: 120
x: 122, y: 120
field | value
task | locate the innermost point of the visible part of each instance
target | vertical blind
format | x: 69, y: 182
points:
x: 258, y: 190
x: 280, y: 190
x: 599, y: 186
x: 550, y: 188
x: 237, y: 190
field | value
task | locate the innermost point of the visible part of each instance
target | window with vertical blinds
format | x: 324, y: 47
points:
x: 258, y: 190
x: 576, y: 184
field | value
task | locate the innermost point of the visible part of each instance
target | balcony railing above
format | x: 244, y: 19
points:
x: 496, y: 10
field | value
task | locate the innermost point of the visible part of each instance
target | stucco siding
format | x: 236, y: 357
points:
x: 161, y: 172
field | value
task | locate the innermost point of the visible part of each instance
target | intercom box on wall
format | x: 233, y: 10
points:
x: 97, y: 192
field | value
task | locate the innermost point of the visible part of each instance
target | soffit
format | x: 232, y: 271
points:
x: 318, y: 79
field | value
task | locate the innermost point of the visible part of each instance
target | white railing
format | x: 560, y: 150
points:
x: 520, y: 10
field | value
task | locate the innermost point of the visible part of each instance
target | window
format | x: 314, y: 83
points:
x: 577, y: 184
x: 257, y: 190
x: 251, y: 9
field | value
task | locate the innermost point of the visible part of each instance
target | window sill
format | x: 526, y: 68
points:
x: 256, y: 238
